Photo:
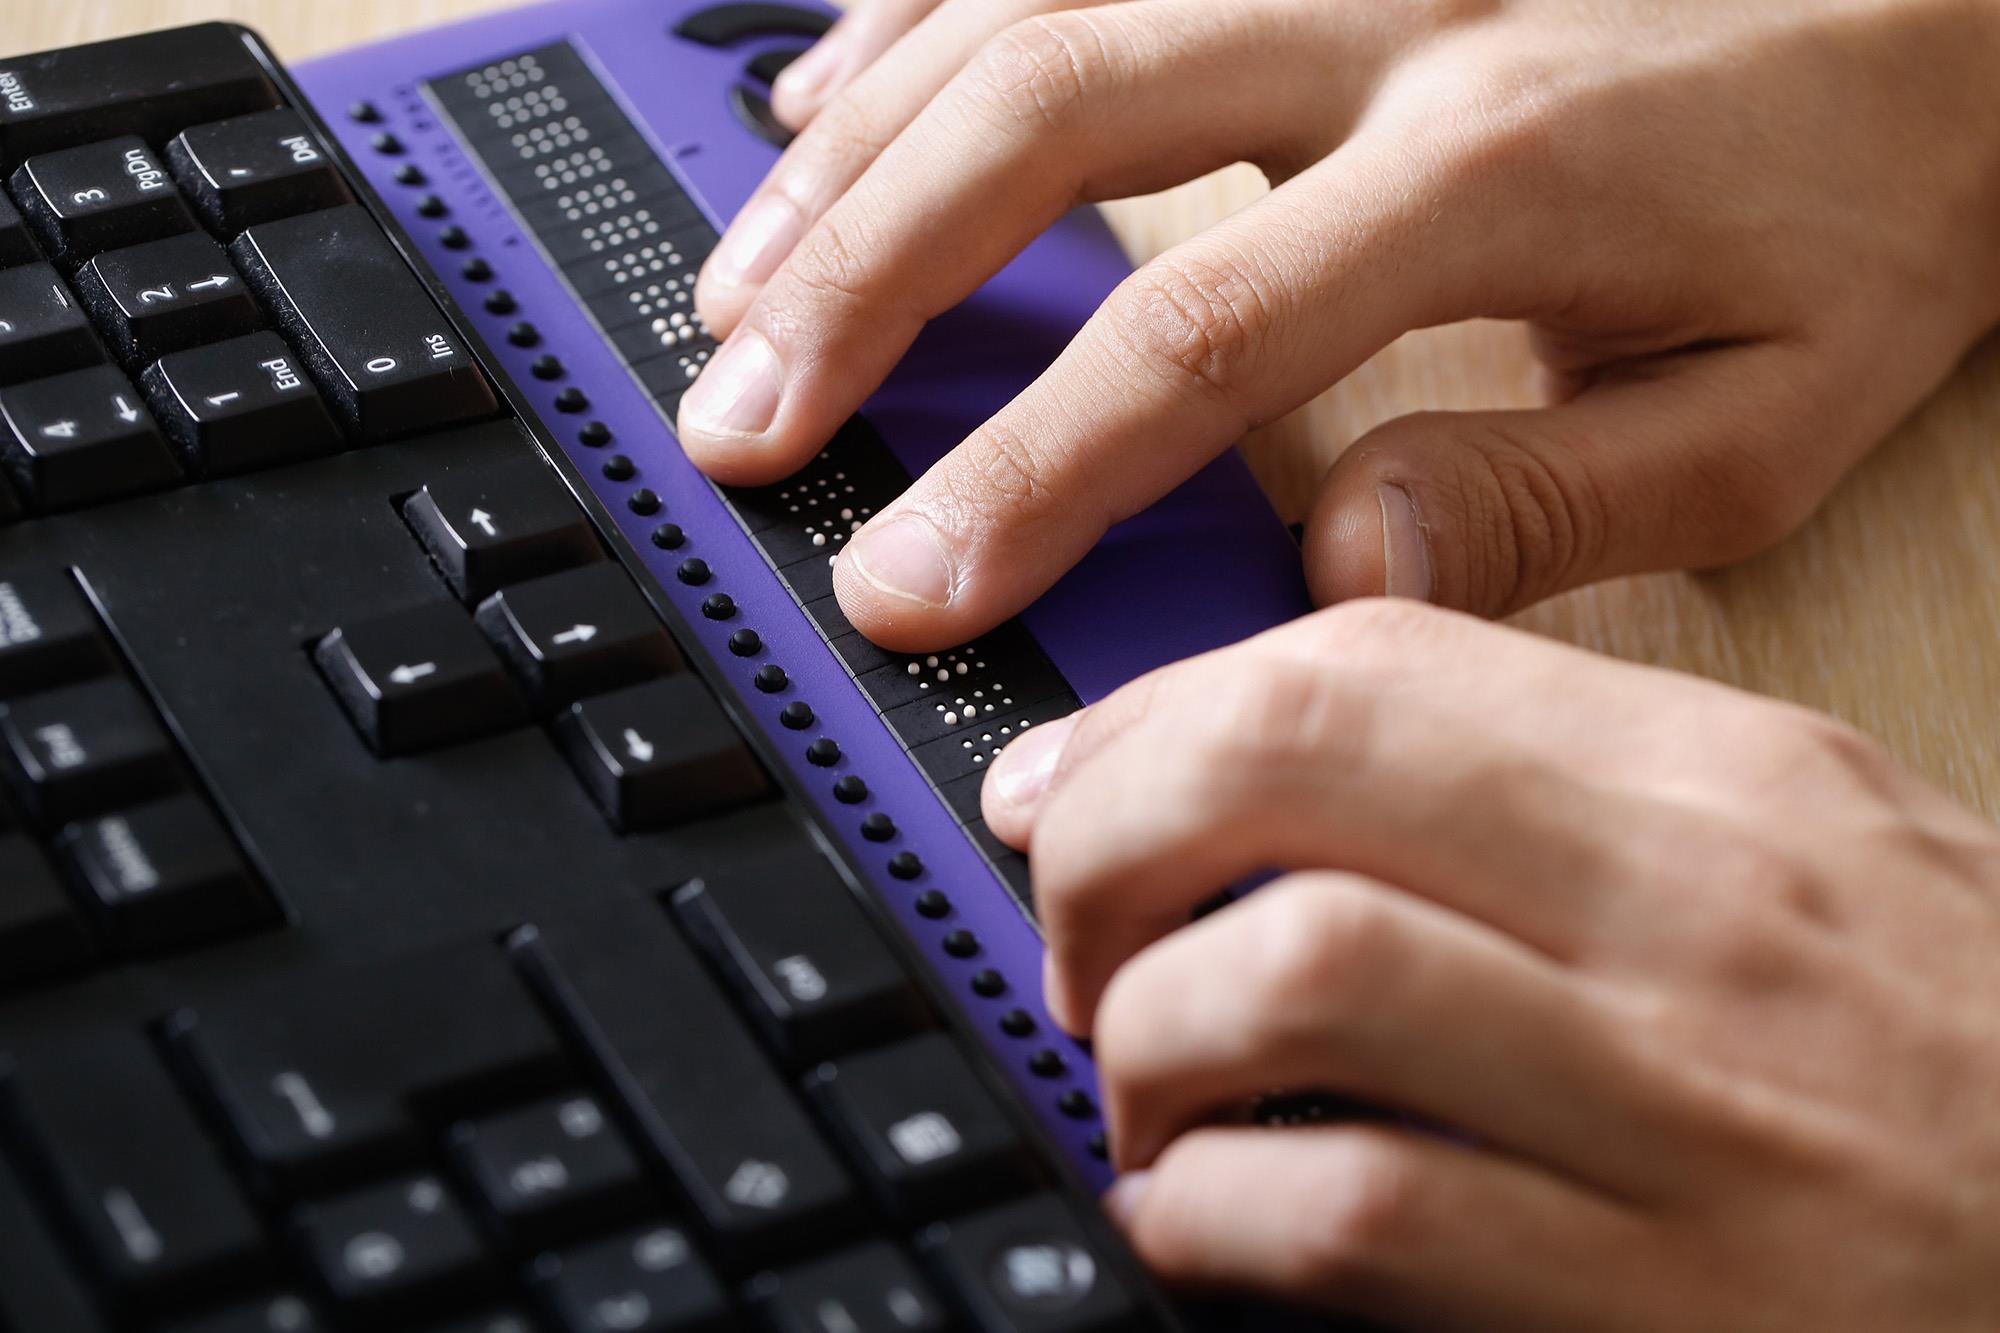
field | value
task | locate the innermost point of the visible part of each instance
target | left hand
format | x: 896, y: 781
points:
x: 1704, y: 988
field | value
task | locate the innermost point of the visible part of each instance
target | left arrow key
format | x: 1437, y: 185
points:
x: 418, y: 679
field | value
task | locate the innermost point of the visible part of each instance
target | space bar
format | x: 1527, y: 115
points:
x: 379, y: 347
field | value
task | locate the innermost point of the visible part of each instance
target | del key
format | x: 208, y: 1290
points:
x: 386, y: 357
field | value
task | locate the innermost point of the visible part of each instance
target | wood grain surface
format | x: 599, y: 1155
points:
x: 1883, y: 610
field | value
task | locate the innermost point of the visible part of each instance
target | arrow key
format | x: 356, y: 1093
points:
x: 581, y: 632
x: 499, y: 524
x: 418, y: 679
x: 163, y: 296
x: 659, y: 753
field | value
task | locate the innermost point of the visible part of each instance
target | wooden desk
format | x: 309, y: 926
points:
x: 1884, y: 610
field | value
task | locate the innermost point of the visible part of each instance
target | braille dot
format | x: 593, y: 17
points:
x: 501, y: 302
x: 365, y: 112
x: 572, y: 399
x: 717, y: 605
x: 646, y: 503
x: 748, y: 643
x: 619, y: 468
x: 796, y: 715
x: 386, y: 142
x: 410, y: 174
x: 475, y: 269
x: 547, y: 366
x: 771, y: 678
x: 878, y: 827
x: 1018, y: 1023
x: 669, y: 537
x: 1046, y: 1063
x: 454, y: 238
x: 524, y: 334
x: 693, y: 571
x: 961, y: 943
x: 824, y: 752
x: 430, y: 206
x: 850, y: 790
x: 933, y: 904
x: 906, y: 865
x: 1076, y: 1104
x: 595, y: 434
x: 988, y: 983
x: 1098, y: 1146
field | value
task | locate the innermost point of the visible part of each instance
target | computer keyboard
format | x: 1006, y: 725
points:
x: 458, y: 869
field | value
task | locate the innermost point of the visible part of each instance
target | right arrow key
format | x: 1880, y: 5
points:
x: 417, y: 679
x: 583, y: 631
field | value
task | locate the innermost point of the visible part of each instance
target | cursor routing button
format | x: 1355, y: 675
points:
x: 417, y: 679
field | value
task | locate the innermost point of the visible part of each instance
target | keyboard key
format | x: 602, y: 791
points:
x: 163, y: 874
x: 88, y: 748
x: 416, y: 679
x: 150, y: 85
x: 926, y: 1124
x: 1027, y: 1267
x: 646, y: 1281
x: 659, y: 754
x: 869, y: 1289
x: 42, y: 936
x: 38, y: 1290
x: 490, y: 1321
x: 17, y: 243
x: 239, y: 405
x: 43, y: 330
x: 801, y: 953
x: 144, y: 1189
x: 280, y: 1312
x: 634, y: 995
x: 500, y: 524
x: 163, y: 296
x: 48, y: 634
x: 401, y: 1247
x: 551, y: 1170
x: 319, y: 1073
x: 81, y: 438
x: 583, y: 631
x: 255, y: 168
x: 380, y: 348
x: 99, y: 196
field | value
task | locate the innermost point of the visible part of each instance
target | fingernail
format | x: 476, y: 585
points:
x: 1021, y: 774
x: 756, y: 242
x: 738, y: 393
x: 806, y: 77
x: 1406, y: 547
x: 904, y: 558
x: 1122, y: 1199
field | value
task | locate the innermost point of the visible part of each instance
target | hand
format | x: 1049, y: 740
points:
x: 1707, y: 989
x: 1749, y: 237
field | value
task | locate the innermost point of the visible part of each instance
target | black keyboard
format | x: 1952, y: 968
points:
x: 401, y: 925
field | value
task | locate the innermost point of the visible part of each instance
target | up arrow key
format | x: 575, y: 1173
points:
x: 482, y: 520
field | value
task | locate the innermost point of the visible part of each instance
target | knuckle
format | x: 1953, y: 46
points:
x: 830, y: 264
x: 841, y: 139
x: 1545, y: 521
x: 1321, y: 947
x: 1039, y: 72
x: 997, y: 470
x: 1370, y: 1208
x: 1199, y: 317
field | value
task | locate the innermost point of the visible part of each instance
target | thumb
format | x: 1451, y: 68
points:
x: 1689, y: 462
